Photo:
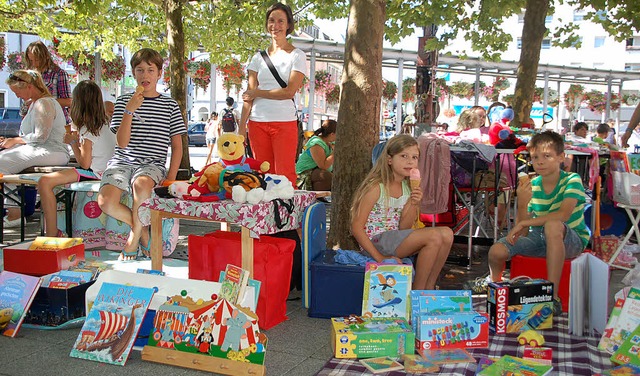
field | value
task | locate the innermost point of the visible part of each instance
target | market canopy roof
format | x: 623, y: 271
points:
x: 331, y: 51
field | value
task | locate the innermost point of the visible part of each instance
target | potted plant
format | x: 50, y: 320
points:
x: 322, y: 80
x: 408, y: 89
x: 15, y: 61
x: 462, y: 89
x: 389, y: 90
x: 232, y: 75
x: 332, y: 95
x: 573, y: 97
x: 199, y: 72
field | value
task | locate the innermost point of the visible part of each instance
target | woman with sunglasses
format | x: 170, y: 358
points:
x: 41, y: 133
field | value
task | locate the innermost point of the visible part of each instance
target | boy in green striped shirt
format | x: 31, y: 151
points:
x: 550, y: 219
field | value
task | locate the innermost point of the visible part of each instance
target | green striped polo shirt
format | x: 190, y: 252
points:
x: 569, y: 186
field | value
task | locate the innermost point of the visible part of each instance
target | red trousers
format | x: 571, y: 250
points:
x: 277, y: 143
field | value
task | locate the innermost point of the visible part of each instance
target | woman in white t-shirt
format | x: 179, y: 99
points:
x: 268, y: 107
x: 93, y: 145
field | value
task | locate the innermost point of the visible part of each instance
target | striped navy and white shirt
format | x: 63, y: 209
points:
x: 150, y: 140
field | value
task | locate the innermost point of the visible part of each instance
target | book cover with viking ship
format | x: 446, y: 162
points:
x: 16, y: 295
x: 113, y: 323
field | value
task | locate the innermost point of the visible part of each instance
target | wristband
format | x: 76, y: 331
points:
x: 128, y: 112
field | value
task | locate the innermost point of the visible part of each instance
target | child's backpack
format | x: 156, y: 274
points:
x: 228, y: 121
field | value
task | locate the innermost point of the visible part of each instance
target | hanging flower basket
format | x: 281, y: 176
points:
x: 509, y: 98
x: 573, y: 97
x: 232, y: 75
x: 332, y: 95
x: 597, y: 101
x: 462, y: 89
x: 389, y: 90
x: 442, y: 89
x: 322, y: 80
x: 15, y: 61
x: 408, y: 89
x: 630, y: 99
x: 199, y: 72
x: 112, y: 70
x: 3, y: 48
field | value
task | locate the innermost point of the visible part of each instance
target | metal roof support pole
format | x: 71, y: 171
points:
x: 399, y: 97
x: 477, y: 87
x: 212, y: 90
x: 545, y: 96
x: 312, y: 89
x: 617, y: 125
x: 560, y: 110
x: 607, y: 110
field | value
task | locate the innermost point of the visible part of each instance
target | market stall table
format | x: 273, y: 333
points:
x: 259, y: 219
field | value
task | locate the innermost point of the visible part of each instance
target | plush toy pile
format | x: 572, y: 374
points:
x: 500, y: 134
x: 235, y: 177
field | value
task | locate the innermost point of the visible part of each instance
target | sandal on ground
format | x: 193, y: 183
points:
x: 146, y: 250
x: 128, y: 256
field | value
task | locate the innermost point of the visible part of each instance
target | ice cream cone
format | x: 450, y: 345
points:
x: 67, y: 128
x: 414, y: 184
x: 139, y: 89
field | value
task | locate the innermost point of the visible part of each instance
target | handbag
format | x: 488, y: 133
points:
x: 283, y: 84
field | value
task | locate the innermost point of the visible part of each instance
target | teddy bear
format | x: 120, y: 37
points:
x: 231, y: 151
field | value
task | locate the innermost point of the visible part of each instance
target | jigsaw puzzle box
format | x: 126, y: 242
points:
x: 457, y: 330
x: 364, y: 337
x: 19, y: 258
x: 516, y: 306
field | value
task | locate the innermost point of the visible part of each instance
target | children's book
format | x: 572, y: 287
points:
x: 628, y: 351
x: 622, y: 370
x: 542, y: 355
x: 381, y: 364
x: 589, y: 295
x: 613, y: 320
x: 447, y: 356
x: 16, y: 295
x: 415, y: 364
x: 47, y: 243
x: 150, y: 271
x: 234, y: 283
x: 113, y: 323
x: 483, y: 363
x: 386, y: 290
x: 85, y: 276
x: 628, y: 320
x: 250, y: 282
x: 510, y: 365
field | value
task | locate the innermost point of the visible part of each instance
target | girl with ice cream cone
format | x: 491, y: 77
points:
x: 385, y: 207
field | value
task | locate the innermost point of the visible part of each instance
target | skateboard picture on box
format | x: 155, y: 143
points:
x: 521, y: 305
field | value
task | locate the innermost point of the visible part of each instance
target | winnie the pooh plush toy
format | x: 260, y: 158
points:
x: 231, y: 151
x: 236, y: 170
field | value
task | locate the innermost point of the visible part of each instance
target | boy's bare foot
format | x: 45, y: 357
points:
x: 128, y: 255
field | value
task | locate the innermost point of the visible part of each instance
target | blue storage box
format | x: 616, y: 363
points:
x: 336, y: 289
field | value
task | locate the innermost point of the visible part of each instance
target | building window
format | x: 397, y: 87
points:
x: 598, y: 42
x: 546, y: 44
x: 3, y: 95
x: 577, y: 43
x: 633, y: 43
x: 578, y: 15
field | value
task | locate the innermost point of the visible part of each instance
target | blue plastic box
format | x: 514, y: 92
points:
x: 336, y: 289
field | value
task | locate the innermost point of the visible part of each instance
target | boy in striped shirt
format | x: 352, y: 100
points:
x: 146, y: 124
x: 550, y: 219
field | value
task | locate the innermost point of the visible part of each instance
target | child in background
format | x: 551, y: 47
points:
x: 550, y: 219
x: 93, y: 145
x: 146, y: 124
x: 385, y: 208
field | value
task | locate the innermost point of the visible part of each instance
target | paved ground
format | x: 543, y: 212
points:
x: 297, y: 347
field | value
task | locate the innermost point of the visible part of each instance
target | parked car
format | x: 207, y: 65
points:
x: 197, y: 135
x: 10, y: 121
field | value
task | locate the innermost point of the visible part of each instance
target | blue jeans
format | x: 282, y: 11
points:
x: 535, y: 244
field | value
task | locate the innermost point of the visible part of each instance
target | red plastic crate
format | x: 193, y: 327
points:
x: 536, y: 267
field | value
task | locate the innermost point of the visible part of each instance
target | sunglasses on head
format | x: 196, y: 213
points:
x: 13, y: 77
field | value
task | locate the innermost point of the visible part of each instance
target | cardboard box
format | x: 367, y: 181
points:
x: 445, y: 331
x: 364, y: 337
x: 54, y: 306
x: 18, y: 258
x: 437, y: 302
x: 521, y: 305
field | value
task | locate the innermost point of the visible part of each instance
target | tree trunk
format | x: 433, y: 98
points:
x: 533, y: 32
x: 175, y: 39
x: 359, y: 112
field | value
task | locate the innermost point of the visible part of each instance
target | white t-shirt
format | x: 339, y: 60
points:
x: 102, y: 148
x: 284, y: 62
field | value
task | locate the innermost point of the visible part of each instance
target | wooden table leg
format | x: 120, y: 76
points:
x: 156, y: 240
x: 247, y: 251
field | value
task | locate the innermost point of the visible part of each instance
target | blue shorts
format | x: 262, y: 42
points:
x: 535, y: 244
x: 387, y: 242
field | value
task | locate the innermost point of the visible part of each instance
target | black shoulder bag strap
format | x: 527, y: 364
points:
x: 273, y: 70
